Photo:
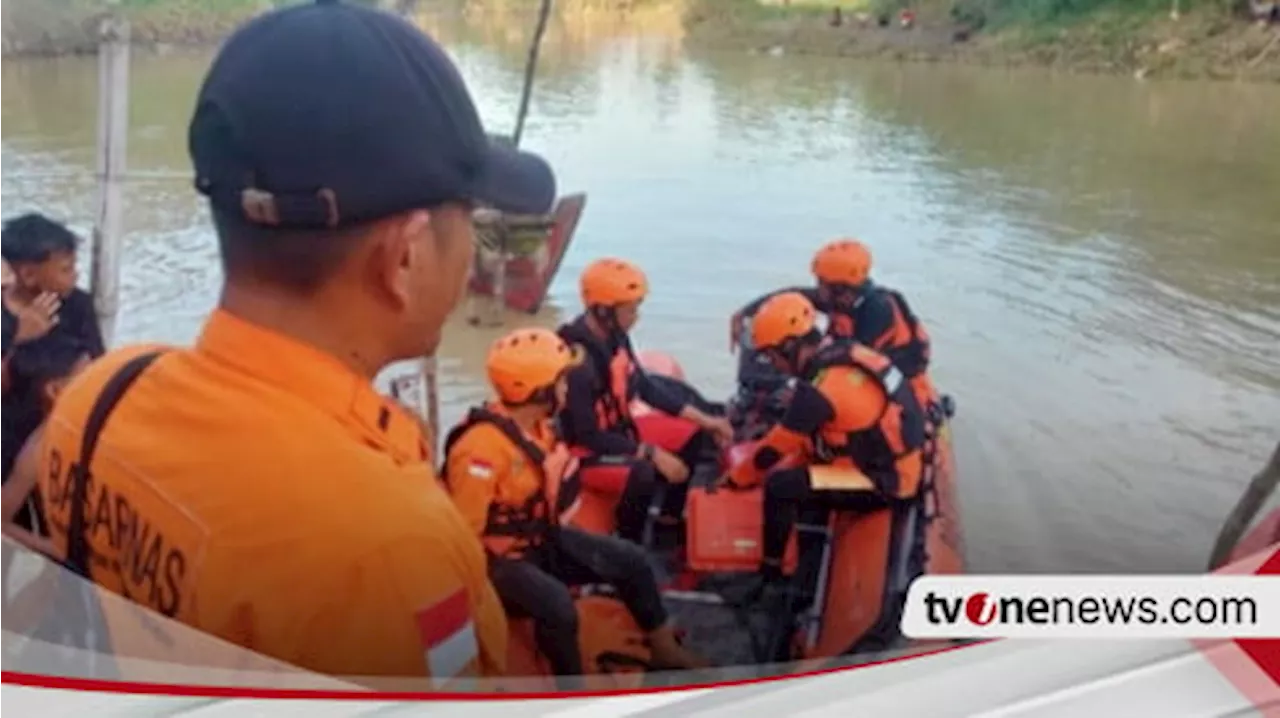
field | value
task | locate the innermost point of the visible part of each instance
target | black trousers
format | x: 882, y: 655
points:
x: 537, y: 586
x: 787, y: 492
x: 633, y: 507
x: 644, y: 482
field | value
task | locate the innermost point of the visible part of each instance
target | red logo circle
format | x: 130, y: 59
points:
x: 980, y: 609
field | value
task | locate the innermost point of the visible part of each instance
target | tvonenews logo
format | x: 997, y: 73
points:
x: 1093, y: 607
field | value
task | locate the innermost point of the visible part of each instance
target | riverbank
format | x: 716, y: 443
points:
x: 1204, y: 41
x: 1136, y: 37
x: 70, y: 27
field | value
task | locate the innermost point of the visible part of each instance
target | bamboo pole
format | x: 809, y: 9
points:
x: 112, y: 140
x: 1257, y: 493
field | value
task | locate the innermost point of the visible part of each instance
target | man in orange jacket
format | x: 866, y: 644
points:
x: 851, y: 409
x: 861, y: 310
x: 597, y: 414
x: 256, y: 486
x: 512, y: 478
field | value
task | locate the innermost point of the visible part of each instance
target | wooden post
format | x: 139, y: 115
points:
x: 499, y: 304
x: 113, y: 133
x: 432, y: 395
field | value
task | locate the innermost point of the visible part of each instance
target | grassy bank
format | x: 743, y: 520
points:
x: 1205, y: 39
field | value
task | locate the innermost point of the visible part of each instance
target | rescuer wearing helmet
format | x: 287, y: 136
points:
x: 861, y: 310
x: 513, y: 480
x: 597, y: 416
x: 850, y: 407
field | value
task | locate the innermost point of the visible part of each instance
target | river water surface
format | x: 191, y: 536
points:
x: 1098, y: 259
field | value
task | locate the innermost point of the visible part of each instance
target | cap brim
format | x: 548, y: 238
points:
x: 515, y: 182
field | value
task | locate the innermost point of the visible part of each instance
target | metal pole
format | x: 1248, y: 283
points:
x: 113, y: 133
x: 531, y: 66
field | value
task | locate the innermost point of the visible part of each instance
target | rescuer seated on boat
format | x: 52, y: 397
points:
x: 512, y: 478
x: 597, y: 416
x: 859, y: 309
x: 850, y: 406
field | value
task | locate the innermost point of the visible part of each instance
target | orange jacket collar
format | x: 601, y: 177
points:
x: 315, y: 377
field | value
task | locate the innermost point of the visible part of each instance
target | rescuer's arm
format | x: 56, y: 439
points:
x: 665, y: 401
x: 22, y: 479
x: 579, y: 421
x: 658, y: 396
x: 805, y: 415
x: 475, y: 465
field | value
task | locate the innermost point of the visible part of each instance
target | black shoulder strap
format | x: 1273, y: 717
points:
x: 835, y: 353
x: 901, y: 301
x: 508, y: 428
x: 108, y: 399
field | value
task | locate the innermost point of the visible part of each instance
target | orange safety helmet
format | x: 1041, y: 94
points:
x: 526, y: 361
x: 844, y: 261
x: 610, y: 282
x: 784, y: 316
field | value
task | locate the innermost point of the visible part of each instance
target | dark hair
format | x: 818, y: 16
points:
x: 295, y: 259
x: 47, y: 359
x: 32, y: 238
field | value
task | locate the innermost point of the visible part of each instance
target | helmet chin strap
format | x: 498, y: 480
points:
x: 608, y: 319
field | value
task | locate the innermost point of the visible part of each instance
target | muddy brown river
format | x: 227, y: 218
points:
x: 1098, y: 259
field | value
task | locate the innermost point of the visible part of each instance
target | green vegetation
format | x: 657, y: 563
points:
x: 1172, y: 38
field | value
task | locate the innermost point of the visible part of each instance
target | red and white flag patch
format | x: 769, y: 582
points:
x: 448, y: 634
x: 480, y: 469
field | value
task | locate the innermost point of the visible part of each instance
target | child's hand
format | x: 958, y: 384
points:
x: 35, y: 319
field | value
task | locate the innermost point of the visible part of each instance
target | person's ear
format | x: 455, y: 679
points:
x: 52, y: 389
x: 398, y: 254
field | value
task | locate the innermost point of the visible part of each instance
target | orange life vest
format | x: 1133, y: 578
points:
x: 512, y: 530
x: 614, y: 389
x: 907, y: 343
x: 909, y: 349
x: 891, y: 450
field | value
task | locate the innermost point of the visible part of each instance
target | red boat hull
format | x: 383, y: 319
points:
x: 528, y: 279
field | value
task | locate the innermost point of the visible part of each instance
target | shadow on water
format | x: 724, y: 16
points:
x: 1097, y: 260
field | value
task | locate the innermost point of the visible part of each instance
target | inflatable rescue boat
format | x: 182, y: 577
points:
x: 845, y: 600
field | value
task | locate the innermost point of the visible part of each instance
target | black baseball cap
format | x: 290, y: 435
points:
x: 326, y: 114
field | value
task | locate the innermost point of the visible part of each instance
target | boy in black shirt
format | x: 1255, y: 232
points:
x: 42, y: 256
x: 42, y: 307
